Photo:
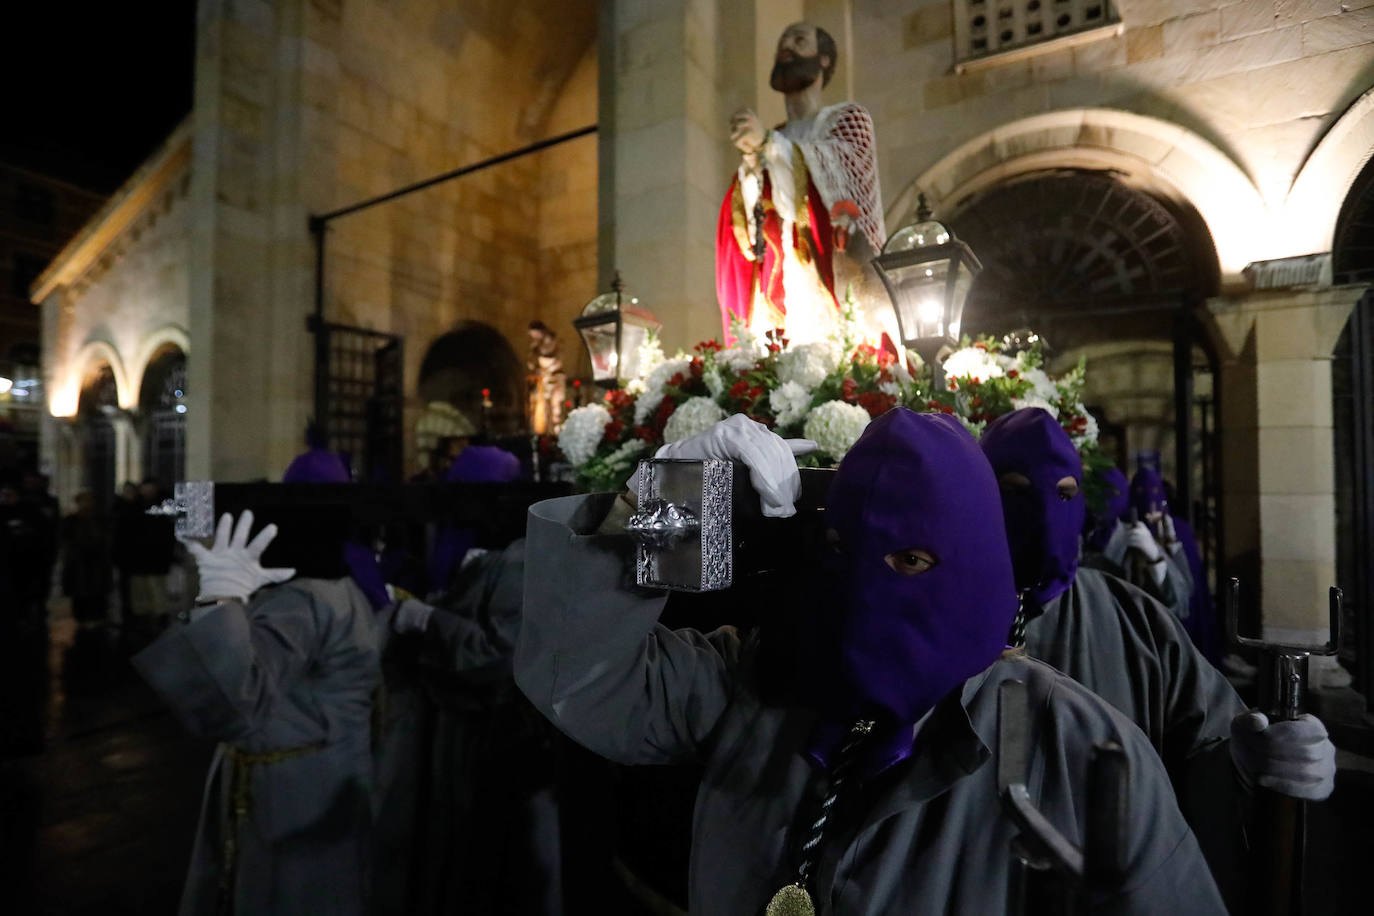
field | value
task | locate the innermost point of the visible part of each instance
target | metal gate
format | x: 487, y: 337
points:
x: 1352, y: 415
x: 359, y: 398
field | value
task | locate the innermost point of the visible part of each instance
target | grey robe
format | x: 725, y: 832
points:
x: 292, y: 672
x: 1174, y: 592
x: 1127, y: 648
x: 927, y: 836
x: 466, y: 816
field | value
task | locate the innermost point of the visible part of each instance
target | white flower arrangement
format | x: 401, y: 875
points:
x: 1034, y: 400
x: 835, y: 426
x: 974, y: 363
x: 790, y: 403
x: 650, y: 354
x: 714, y: 383
x: 582, y: 433
x: 628, y: 454
x: 808, y: 364
x: 1088, y: 436
x: 654, y: 383
x: 693, y: 416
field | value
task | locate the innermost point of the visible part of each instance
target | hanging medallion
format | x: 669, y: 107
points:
x: 792, y: 900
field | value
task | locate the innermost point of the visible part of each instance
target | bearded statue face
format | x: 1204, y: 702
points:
x: 799, y: 61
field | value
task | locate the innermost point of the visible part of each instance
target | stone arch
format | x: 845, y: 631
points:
x: 162, y: 410
x: 153, y: 345
x: 1352, y: 247
x: 66, y: 400
x: 472, y: 357
x: 1078, y: 238
x: 1314, y: 202
x: 1154, y: 155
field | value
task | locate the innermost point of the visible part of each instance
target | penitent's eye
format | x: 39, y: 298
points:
x: 1014, y: 480
x: 1068, y: 488
x: 910, y: 562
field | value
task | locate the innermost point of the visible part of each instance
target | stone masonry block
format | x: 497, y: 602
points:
x: 1248, y: 53
x: 929, y: 23
x: 1296, y: 12
x: 1295, y: 593
x: 1289, y: 93
x: 1294, y: 392
x: 1297, y: 527
x: 1296, y: 461
x: 1247, y: 18
x: 1335, y: 32
x: 1192, y: 32
x: 1097, y: 56
x: 1145, y: 43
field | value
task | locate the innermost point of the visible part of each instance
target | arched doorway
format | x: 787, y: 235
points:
x: 1352, y: 420
x: 465, y: 362
x: 162, y: 406
x: 1112, y: 273
x: 96, y: 409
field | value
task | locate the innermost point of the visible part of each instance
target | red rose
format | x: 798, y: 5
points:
x: 876, y: 403
x: 849, y: 389
x: 739, y: 389
x: 613, y: 431
x: 1012, y: 373
x: 644, y: 432
x: 948, y: 410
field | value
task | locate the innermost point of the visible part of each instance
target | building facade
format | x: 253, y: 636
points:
x: 1177, y: 194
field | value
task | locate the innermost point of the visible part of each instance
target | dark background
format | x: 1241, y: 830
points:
x: 91, y: 89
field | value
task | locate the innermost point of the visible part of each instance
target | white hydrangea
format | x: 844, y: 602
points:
x: 582, y: 433
x: 1042, y: 387
x: 808, y: 364
x: 974, y: 362
x: 648, y: 402
x: 740, y: 358
x: 695, y: 415
x: 1034, y: 400
x: 790, y: 402
x: 835, y: 426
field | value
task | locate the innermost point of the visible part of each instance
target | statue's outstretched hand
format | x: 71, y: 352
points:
x: 745, y: 131
x: 842, y: 216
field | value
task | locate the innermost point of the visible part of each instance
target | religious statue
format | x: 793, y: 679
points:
x: 803, y: 217
x: 548, y: 381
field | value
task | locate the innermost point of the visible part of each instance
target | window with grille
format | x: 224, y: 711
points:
x: 984, y: 28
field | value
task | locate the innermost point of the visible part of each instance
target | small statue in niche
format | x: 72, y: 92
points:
x: 547, y: 380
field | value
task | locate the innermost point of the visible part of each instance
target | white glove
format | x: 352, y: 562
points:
x: 229, y: 568
x: 411, y: 616
x: 1138, y: 537
x: 1292, y: 757
x: 771, y: 459
x: 1171, y: 541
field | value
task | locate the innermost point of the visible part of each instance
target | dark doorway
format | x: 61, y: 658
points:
x: 162, y: 404
x: 359, y: 398
x: 472, y: 359
x: 95, y: 412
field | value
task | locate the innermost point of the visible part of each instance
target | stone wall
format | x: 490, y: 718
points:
x: 311, y: 105
x: 1260, y: 80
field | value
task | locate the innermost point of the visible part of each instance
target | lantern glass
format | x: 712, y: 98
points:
x: 600, y: 341
x: 920, y: 296
x: 963, y: 282
x: 925, y: 234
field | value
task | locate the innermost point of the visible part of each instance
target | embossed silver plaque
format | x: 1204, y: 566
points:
x: 684, y: 526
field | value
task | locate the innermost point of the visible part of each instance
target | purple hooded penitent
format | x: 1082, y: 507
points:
x: 1118, y: 491
x: 317, y: 465
x: 912, y: 481
x: 1147, y: 493
x: 475, y: 464
x: 1042, y: 527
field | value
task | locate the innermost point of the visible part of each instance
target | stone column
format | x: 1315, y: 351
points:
x: 671, y: 74
x: 1294, y: 333
x: 248, y: 382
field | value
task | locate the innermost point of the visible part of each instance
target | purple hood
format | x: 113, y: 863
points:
x: 316, y: 466
x: 1042, y: 528
x: 912, y: 481
x: 1147, y: 493
x: 1118, y: 493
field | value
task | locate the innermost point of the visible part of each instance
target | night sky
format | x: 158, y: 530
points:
x: 91, y: 89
